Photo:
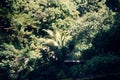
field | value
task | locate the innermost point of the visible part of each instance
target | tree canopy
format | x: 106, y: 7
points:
x: 37, y: 36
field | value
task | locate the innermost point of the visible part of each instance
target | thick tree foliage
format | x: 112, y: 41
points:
x: 37, y: 36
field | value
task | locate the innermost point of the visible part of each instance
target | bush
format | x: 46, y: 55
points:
x: 102, y: 64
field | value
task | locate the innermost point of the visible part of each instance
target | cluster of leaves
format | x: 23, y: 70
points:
x: 28, y: 29
x: 36, y: 36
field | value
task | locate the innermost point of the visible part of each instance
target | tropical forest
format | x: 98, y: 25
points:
x: 59, y: 40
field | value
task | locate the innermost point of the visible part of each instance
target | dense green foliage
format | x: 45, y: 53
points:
x: 37, y: 36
